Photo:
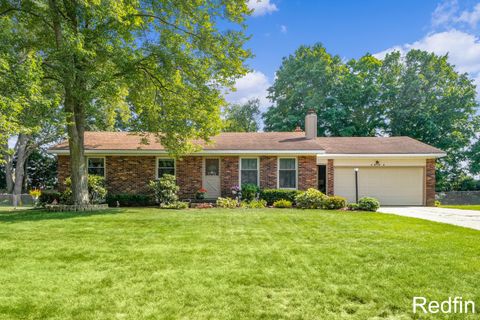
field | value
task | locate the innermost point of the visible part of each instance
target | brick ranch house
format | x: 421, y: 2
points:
x: 395, y: 170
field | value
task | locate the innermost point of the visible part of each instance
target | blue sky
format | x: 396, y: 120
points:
x: 352, y: 28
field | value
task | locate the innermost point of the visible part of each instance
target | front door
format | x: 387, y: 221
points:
x: 211, y: 178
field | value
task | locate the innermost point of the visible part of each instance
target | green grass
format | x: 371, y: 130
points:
x: 229, y: 264
x: 464, y: 207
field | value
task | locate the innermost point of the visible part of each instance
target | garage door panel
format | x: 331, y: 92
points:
x: 391, y: 186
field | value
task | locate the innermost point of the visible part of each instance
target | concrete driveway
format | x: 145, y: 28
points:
x: 463, y: 218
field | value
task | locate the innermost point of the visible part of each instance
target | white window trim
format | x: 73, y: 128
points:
x: 296, y: 173
x: 169, y: 158
x: 104, y: 164
x: 240, y: 170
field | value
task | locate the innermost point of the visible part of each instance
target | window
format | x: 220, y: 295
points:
x: 212, y: 167
x: 249, y: 171
x: 96, y: 166
x: 165, y: 166
x: 287, y: 173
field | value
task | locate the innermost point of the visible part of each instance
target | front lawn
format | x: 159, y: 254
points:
x: 229, y: 264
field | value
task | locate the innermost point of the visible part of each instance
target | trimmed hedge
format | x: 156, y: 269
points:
x: 368, y: 204
x: 272, y: 195
x: 130, y: 200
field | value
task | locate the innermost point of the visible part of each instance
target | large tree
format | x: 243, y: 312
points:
x: 167, y: 60
x: 418, y: 95
x: 242, y: 117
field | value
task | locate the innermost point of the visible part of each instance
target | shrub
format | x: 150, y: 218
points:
x: 272, y: 195
x: 368, y: 204
x: 334, y: 203
x: 254, y: 204
x: 48, y: 196
x: 282, y: 203
x: 249, y: 191
x: 310, y: 199
x: 96, y: 190
x: 35, y: 193
x: 129, y: 200
x: 174, y: 205
x: 227, y: 203
x: 438, y: 203
x: 165, y: 189
x: 352, y: 206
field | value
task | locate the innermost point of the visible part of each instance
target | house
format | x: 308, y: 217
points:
x: 395, y: 170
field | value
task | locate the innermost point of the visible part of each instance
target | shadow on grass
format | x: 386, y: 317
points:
x: 21, y: 215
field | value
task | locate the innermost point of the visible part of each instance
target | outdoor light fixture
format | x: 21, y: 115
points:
x: 356, y: 185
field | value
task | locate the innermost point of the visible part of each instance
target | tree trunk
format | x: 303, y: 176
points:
x: 78, y: 168
x: 75, y: 111
x: 22, y: 155
x: 8, y: 158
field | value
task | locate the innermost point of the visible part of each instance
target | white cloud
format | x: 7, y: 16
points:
x: 470, y: 17
x: 463, y: 50
x: 283, y: 29
x: 252, y: 85
x: 261, y: 7
x: 444, y: 13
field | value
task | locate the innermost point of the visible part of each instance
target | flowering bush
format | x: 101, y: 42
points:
x: 235, y: 190
x: 310, y: 199
x: 165, y: 189
x: 201, y: 193
x: 35, y: 193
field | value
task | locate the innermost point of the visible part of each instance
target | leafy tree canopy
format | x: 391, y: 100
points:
x: 418, y: 95
x: 162, y: 63
x: 242, y: 117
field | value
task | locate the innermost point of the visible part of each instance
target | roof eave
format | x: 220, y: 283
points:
x: 380, y: 155
x: 203, y: 152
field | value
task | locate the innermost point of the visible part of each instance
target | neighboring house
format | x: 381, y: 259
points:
x: 396, y: 170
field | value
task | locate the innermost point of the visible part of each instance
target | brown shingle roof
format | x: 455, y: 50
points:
x: 242, y: 141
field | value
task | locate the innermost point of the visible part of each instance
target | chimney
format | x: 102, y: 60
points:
x: 311, y: 124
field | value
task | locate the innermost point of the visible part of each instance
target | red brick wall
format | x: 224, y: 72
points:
x: 307, y: 172
x: 189, y: 176
x: 63, y: 171
x: 228, y: 175
x: 129, y: 174
x: 330, y: 176
x: 268, y: 172
x: 430, y: 182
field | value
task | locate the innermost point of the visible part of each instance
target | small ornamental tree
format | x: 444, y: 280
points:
x: 165, y: 189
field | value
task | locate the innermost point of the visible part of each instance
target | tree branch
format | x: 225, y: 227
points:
x: 29, y: 12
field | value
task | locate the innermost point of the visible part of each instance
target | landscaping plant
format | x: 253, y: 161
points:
x: 96, y: 190
x: 282, y: 203
x: 272, y: 195
x: 165, y: 189
x: 368, y: 204
x: 174, y: 205
x: 129, y: 200
x: 310, y: 199
x: 249, y: 191
x: 254, y: 204
x: 227, y: 203
x: 352, y: 206
x: 334, y: 203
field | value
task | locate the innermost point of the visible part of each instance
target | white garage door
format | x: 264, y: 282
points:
x: 391, y: 186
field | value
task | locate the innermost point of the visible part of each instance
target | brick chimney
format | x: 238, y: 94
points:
x: 311, y: 124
